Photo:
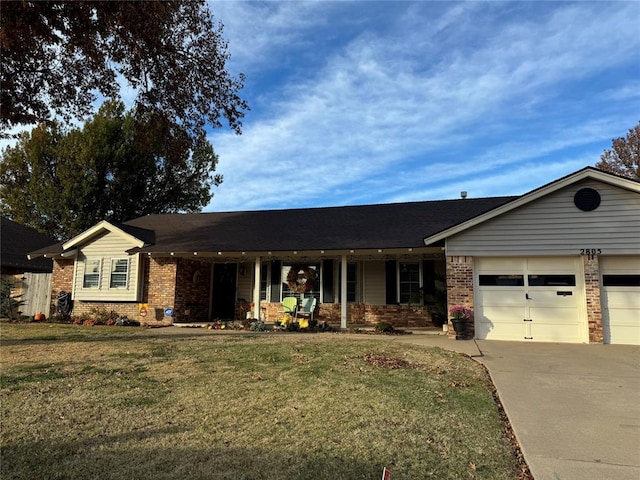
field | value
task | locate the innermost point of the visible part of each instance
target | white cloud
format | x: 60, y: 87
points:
x: 376, y: 117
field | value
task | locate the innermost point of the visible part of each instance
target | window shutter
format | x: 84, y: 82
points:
x: 391, y: 281
x: 276, y: 282
x: 327, y: 281
x: 428, y: 277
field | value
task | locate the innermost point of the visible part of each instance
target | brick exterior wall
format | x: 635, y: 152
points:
x: 169, y: 282
x: 192, y: 290
x: 460, y: 288
x: 592, y: 291
x: 159, y: 277
x: 400, y: 316
x: 61, y: 280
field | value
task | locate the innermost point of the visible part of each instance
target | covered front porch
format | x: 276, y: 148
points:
x: 403, y: 287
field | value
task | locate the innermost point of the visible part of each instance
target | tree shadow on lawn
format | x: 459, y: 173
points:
x: 105, y: 457
x: 127, y: 334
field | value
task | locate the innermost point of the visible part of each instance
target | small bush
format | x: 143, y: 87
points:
x: 384, y: 327
x: 257, y: 326
x: 125, y: 322
x: 9, y: 303
x: 293, y: 327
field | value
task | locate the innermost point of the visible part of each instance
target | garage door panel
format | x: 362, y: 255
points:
x: 620, y: 299
x: 535, y: 299
x: 502, y: 314
x: 554, y: 316
x: 496, y: 329
x: 501, y: 298
x: 623, y: 334
x: 506, y: 265
x: 536, y: 265
x: 558, y: 332
x: 500, y: 322
x: 560, y: 296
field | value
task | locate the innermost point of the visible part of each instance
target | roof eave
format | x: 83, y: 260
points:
x: 98, y: 228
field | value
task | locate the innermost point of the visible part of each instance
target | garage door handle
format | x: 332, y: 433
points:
x: 527, y: 320
x: 526, y: 295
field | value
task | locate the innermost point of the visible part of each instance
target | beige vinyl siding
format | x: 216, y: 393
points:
x: 374, y: 283
x: 553, y: 225
x: 106, y: 247
x: 245, y: 282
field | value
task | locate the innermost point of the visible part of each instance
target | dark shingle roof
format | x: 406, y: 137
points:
x: 397, y: 225
x: 18, y: 240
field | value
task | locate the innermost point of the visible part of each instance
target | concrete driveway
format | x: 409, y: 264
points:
x: 575, y: 409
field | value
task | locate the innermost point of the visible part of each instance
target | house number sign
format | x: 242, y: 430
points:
x: 590, y: 252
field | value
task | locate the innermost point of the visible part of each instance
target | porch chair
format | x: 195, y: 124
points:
x: 290, y: 306
x: 308, y: 307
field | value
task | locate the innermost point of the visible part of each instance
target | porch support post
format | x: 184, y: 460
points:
x: 256, y: 290
x: 343, y: 292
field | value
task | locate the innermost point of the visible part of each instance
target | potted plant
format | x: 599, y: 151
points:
x: 460, y: 315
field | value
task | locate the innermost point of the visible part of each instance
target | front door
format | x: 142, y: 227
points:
x: 223, y: 298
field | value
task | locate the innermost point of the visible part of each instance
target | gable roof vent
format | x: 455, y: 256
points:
x: 586, y: 199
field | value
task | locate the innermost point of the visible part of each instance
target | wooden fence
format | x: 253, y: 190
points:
x: 33, y: 291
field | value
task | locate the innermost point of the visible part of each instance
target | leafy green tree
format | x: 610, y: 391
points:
x: 624, y: 157
x: 56, y: 55
x: 61, y: 182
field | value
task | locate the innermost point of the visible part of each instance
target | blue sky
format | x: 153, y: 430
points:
x: 376, y: 102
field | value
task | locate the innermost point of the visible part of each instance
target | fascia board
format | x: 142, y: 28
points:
x: 99, y: 228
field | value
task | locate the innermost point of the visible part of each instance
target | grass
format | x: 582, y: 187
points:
x: 122, y: 403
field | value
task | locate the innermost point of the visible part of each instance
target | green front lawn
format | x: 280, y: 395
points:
x: 129, y: 403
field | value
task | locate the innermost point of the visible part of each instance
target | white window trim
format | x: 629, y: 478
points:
x: 113, y: 261
x: 420, y: 277
x: 84, y: 273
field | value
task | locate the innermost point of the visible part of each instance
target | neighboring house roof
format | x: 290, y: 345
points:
x: 580, y: 175
x: 383, y: 226
x: 16, y: 241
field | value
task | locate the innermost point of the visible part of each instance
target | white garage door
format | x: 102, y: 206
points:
x: 530, y: 299
x: 620, y: 280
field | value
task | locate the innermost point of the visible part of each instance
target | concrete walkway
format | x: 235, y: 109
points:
x: 575, y: 409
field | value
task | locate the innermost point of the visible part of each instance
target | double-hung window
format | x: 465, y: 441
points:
x: 409, y: 282
x: 92, y: 267
x: 119, y: 273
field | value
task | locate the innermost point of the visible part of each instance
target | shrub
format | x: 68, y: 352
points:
x: 125, y: 322
x: 9, y: 304
x: 384, y: 327
x: 257, y: 326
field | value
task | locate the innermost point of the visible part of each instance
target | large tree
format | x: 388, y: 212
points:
x: 56, y: 55
x: 624, y: 157
x: 63, y: 181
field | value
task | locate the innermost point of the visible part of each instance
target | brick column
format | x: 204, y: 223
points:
x: 460, y: 287
x: 592, y: 291
x: 61, y: 279
x: 161, y: 286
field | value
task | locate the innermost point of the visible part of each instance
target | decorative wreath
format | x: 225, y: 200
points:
x: 301, y: 278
